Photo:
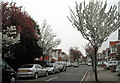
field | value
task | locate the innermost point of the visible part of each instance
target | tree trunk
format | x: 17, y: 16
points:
x: 95, y: 69
x: 92, y: 63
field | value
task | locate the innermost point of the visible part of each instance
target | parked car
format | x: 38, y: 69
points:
x: 111, y: 63
x: 31, y: 70
x: 72, y: 64
x: 89, y: 63
x: 118, y: 68
x: 62, y: 65
x: 52, y: 68
x: 75, y: 64
x: 99, y: 63
x: 8, y: 74
x: 68, y: 64
x: 108, y: 64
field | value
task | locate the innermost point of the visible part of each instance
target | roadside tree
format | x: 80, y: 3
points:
x: 95, y: 23
x: 9, y: 38
x: 27, y: 49
x: 75, y: 53
x: 90, y: 53
x: 47, y: 38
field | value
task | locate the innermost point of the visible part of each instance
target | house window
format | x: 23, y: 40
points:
x: 112, y: 50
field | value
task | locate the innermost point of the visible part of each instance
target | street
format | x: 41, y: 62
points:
x: 72, y: 74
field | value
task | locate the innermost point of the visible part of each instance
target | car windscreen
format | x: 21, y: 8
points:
x: 49, y: 65
x: 27, y: 66
x: 75, y: 63
x: 59, y: 63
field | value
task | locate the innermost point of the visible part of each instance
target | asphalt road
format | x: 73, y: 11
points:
x: 72, y: 74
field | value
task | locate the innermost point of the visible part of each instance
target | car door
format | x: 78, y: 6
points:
x: 38, y: 70
x: 56, y: 67
x: 0, y: 71
x: 6, y: 71
x: 41, y: 70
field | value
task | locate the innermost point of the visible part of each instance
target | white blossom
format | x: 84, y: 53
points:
x: 7, y: 37
x: 47, y: 40
x: 94, y: 22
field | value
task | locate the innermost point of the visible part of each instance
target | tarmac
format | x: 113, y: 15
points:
x: 104, y: 76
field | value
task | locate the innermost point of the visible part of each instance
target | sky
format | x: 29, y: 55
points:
x: 56, y: 12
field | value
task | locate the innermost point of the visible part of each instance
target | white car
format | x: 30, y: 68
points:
x: 75, y: 64
x: 62, y: 65
x: 89, y: 63
x: 111, y: 63
x: 31, y: 70
x: 108, y: 64
x: 99, y: 63
x: 68, y: 64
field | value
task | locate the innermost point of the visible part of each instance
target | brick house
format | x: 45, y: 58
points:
x: 114, y: 50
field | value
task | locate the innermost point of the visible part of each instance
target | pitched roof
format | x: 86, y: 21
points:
x: 112, y: 43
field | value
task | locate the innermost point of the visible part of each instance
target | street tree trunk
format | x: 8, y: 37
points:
x: 95, y: 66
x: 92, y: 62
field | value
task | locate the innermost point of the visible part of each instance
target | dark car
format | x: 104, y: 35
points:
x: 8, y: 75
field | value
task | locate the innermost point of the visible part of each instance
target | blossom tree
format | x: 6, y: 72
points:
x: 95, y: 23
x: 27, y: 49
x: 47, y: 39
x: 9, y: 38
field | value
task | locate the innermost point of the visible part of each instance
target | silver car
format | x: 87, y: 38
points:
x: 75, y: 64
x: 62, y: 65
x: 52, y: 68
x: 31, y: 70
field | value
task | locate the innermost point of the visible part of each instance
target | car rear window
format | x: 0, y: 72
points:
x: 27, y: 66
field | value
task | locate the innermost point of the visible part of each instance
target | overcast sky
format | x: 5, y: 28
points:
x: 56, y: 12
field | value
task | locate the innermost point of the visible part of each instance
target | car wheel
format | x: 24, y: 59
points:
x: 46, y: 73
x: 63, y: 69
x: 36, y: 75
x: 13, y: 80
x: 58, y: 71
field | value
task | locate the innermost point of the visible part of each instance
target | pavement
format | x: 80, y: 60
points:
x: 104, y: 76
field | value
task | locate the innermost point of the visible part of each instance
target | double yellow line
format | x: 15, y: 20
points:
x: 84, y: 75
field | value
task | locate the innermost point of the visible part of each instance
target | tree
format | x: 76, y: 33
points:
x: 90, y: 53
x: 47, y: 39
x: 27, y: 49
x: 12, y: 15
x: 84, y: 59
x: 75, y: 53
x: 95, y: 23
x: 9, y: 38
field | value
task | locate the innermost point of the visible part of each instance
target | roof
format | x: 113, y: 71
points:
x: 112, y: 43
